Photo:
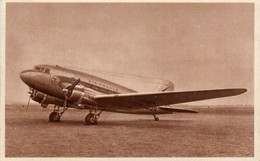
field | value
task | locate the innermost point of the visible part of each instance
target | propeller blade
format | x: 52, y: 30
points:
x: 28, y: 103
x: 67, y: 92
x: 71, y: 87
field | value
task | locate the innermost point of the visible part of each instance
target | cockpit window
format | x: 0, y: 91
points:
x: 47, y: 70
x: 42, y: 69
x: 37, y: 68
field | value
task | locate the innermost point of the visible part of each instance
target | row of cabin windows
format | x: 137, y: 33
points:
x: 42, y: 69
x: 101, y: 84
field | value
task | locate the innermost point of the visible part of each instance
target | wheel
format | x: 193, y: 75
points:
x: 90, y: 119
x: 54, y: 117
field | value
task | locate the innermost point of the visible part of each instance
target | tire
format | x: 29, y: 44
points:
x: 90, y: 119
x: 54, y: 117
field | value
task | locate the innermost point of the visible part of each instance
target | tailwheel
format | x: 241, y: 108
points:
x: 91, y: 119
x: 156, y: 118
x: 54, y: 117
x: 154, y: 110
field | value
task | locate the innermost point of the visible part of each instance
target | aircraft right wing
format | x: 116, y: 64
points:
x: 146, y: 100
x: 174, y: 109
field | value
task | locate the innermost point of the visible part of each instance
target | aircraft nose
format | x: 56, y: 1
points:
x: 25, y: 76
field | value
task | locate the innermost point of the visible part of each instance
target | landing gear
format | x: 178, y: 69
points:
x: 154, y: 110
x: 91, y: 118
x: 54, y: 117
x: 155, y: 117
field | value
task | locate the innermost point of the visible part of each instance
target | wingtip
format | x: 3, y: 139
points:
x: 240, y: 91
x: 243, y: 90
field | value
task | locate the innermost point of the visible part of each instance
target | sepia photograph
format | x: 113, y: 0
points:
x: 113, y: 80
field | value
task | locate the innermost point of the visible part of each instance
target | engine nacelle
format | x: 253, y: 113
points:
x: 45, y: 99
x: 82, y: 97
x: 78, y: 97
x: 44, y: 105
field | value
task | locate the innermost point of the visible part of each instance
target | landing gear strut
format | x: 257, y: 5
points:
x: 154, y: 110
x: 91, y: 118
x: 155, y: 117
x: 56, y: 115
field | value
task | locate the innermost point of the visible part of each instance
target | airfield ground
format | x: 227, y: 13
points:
x: 214, y: 132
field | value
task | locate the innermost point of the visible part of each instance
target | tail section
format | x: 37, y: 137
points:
x: 166, y: 86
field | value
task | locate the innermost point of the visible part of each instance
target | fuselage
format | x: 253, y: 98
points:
x: 44, y: 80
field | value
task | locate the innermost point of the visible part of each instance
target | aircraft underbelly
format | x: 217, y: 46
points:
x: 138, y: 111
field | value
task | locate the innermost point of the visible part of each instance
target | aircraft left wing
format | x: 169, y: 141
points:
x: 146, y: 100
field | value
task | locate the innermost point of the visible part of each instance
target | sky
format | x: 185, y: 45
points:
x: 197, y: 46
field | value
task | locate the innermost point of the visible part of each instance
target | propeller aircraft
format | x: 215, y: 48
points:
x: 68, y: 88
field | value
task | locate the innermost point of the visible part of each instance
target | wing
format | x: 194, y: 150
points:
x: 145, y: 100
x: 172, y: 109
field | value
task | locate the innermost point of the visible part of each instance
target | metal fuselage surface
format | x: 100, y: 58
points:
x: 44, y: 80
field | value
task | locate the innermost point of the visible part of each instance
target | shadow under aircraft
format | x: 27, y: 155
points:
x: 67, y: 88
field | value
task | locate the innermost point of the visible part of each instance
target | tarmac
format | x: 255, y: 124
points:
x: 213, y: 132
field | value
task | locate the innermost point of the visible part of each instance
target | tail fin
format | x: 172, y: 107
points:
x: 166, y: 86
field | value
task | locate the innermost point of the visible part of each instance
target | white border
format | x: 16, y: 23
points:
x: 2, y: 88
x: 256, y: 83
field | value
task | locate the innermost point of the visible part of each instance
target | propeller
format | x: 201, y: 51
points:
x: 30, y: 96
x: 68, y: 91
x: 28, y: 104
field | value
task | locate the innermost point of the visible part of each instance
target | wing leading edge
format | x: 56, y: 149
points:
x: 144, y: 100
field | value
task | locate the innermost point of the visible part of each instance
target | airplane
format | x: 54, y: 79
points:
x: 68, y: 88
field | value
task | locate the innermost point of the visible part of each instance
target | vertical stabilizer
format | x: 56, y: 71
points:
x: 166, y: 86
